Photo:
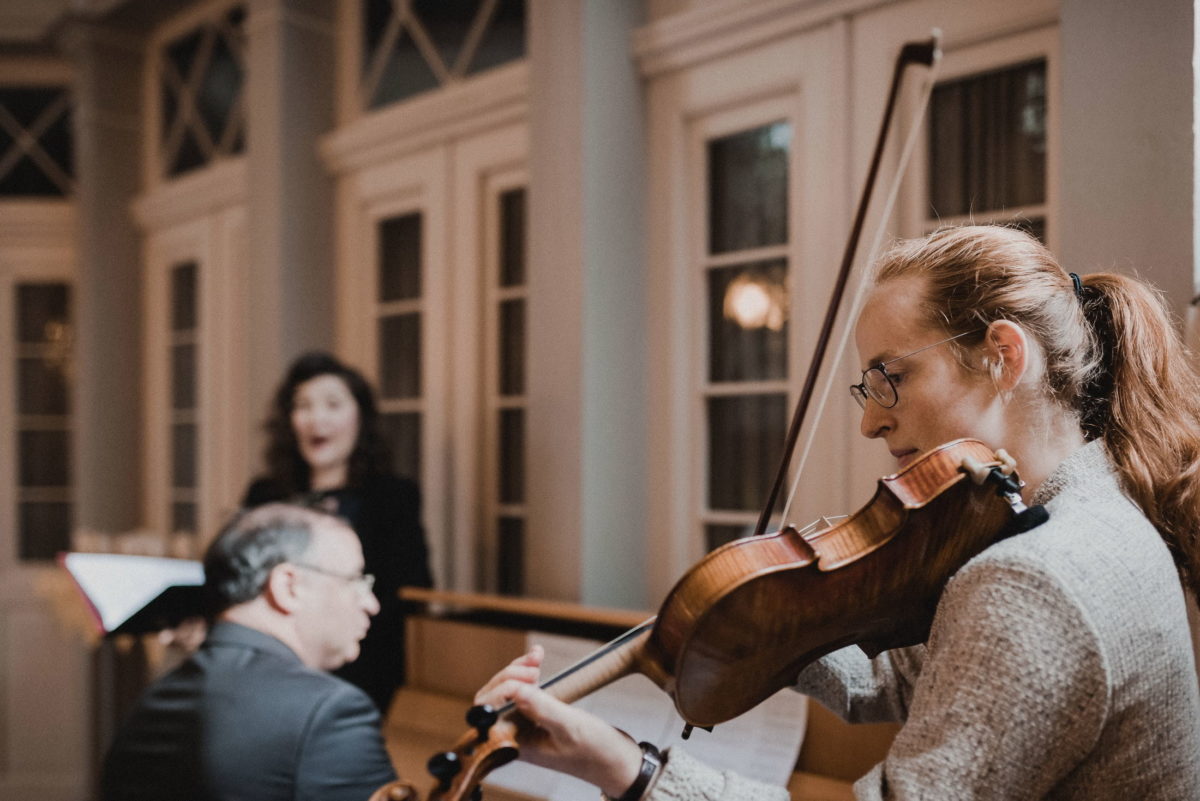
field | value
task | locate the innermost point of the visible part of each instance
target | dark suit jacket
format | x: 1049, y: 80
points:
x: 244, y: 719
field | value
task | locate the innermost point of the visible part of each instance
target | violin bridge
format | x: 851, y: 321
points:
x: 820, y: 524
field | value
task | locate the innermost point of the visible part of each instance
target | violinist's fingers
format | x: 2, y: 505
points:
x: 533, y: 656
x: 525, y: 669
x: 500, y: 694
x: 571, y: 740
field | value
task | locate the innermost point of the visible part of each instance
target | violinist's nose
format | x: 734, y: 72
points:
x: 876, y: 420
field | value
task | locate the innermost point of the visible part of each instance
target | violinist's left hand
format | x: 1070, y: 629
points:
x: 563, y: 738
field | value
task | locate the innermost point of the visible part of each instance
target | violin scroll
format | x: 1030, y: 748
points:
x: 489, y: 743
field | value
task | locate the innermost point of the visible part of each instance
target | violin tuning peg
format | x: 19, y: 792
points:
x: 482, y: 717
x: 477, y: 794
x: 1008, y: 465
x: 976, y: 469
x: 444, y: 767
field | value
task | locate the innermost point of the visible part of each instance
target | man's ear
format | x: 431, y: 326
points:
x: 282, y: 588
x: 1006, y: 352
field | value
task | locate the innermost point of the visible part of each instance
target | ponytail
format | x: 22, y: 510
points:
x: 1144, y: 401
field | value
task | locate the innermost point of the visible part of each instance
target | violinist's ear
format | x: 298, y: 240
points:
x: 1006, y: 349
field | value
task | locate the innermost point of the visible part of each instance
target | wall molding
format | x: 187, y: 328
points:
x: 714, y: 30
x: 480, y: 104
x: 37, y: 223
x: 194, y: 195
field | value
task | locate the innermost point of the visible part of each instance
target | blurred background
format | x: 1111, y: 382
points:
x: 581, y: 247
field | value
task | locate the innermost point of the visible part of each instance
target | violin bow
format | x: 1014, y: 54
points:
x: 924, y: 53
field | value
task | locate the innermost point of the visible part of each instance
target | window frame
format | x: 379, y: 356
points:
x: 26, y: 258
x: 442, y: 175
x: 492, y: 402
x: 808, y: 72
x: 154, y: 169
x: 354, y: 105
x: 36, y: 71
x: 217, y: 243
x: 975, y: 59
x: 705, y: 129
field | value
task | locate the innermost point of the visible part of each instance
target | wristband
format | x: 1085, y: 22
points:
x: 651, y: 762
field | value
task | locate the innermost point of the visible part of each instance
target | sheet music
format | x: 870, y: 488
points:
x: 118, y: 585
x: 762, y: 744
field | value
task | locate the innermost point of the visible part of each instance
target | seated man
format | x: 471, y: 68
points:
x: 252, y: 714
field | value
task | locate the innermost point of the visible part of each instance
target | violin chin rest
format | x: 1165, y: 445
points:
x: 1030, y: 518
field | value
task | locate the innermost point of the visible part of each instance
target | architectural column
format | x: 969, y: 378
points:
x: 587, y: 475
x: 289, y: 98
x: 1128, y: 166
x: 107, y: 408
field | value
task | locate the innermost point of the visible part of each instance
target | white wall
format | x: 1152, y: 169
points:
x: 1128, y: 163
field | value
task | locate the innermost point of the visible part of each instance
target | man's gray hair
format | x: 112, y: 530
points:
x: 241, y: 558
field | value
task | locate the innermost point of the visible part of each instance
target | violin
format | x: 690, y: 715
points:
x: 748, y: 617
x: 743, y: 622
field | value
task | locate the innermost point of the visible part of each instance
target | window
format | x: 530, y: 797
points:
x: 44, y: 339
x: 745, y: 273
x: 35, y: 142
x: 413, y: 46
x: 399, y: 316
x: 184, y: 337
x: 988, y: 148
x: 201, y: 111
x: 506, y: 299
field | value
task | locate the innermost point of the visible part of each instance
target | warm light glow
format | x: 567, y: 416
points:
x: 751, y: 302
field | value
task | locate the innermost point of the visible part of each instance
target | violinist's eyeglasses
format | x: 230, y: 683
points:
x: 877, y: 381
x: 363, y: 581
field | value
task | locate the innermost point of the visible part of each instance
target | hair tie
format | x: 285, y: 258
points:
x: 1078, y: 285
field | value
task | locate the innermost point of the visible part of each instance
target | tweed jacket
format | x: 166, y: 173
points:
x: 1059, y: 665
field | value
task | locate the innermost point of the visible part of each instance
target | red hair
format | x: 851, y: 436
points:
x: 1113, y: 358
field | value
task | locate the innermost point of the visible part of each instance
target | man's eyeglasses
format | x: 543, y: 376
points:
x: 364, y: 581
x: 877, y: 382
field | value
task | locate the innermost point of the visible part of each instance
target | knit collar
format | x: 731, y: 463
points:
x: 1088, y: 466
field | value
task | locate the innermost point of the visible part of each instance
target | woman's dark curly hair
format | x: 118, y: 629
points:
x: 285, y: 464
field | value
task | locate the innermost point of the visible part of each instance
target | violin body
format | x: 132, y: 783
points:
x: 743, y: 622
x: 747, y: 618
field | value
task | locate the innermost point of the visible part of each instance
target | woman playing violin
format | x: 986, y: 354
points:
x: 1059, y: 663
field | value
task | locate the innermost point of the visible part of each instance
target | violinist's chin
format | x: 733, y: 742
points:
x: 905, y: 456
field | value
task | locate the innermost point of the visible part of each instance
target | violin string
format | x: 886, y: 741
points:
x: 860, y: 292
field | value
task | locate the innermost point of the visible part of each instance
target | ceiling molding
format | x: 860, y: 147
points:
x: 716, y: 29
